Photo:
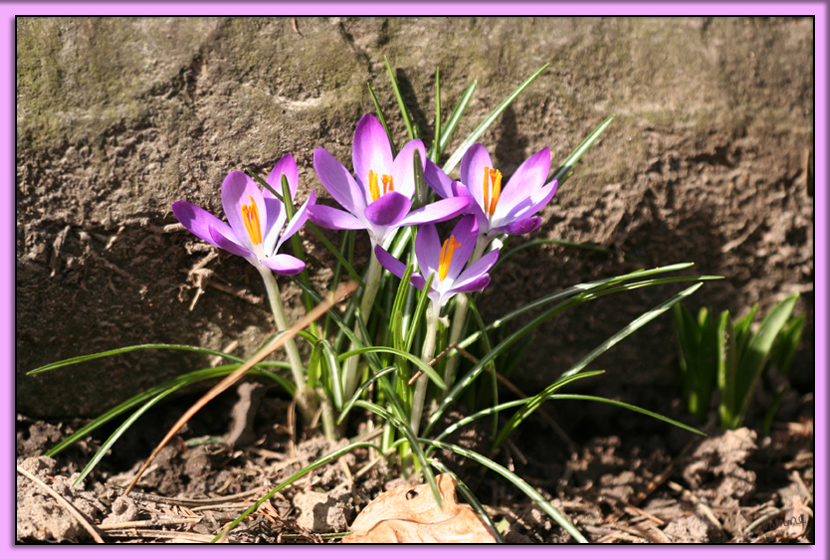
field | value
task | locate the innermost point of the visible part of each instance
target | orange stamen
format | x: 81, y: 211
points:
x: 373, y: 185
x: 495, y: 175
x: 444, y: 260
x: 250, y: 217
x: 387, y: 184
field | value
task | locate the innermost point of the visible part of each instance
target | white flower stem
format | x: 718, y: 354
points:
x: 427, y: 353
x: 462, y: 305
x: 305, y: 399
x: 368, y: 299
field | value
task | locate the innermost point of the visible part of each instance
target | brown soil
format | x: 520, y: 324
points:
x: 645, y: 483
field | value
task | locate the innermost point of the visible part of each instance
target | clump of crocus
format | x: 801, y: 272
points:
x: 256, y: 219
x: 509, y: 209
x: 446, y: 262
x: 378, y: 198
x: 255, y: 232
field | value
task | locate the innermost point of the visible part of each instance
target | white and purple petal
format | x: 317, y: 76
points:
x: 438, y: 211
x: 397, y: 268
x: 528, y: 179
x: 473, y: 285
x: 403, y: 169
x: 299, y: 219
x: 224, y: 242
x: 339, y: 182
x: 371, y: 151
x: 476, y: 269
x: 288, y: 167
x: 472, y: 170
x: 388, y: 210
x: 520, y: 227
x: 284, y: 264
x: 275, y: 211
x: 198, y: 221
x: 237, y: 190
x: 333, y: 218
x: 465, y: 233
x: 428, y: 251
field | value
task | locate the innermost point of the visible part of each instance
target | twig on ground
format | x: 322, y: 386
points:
x: 707, y: 512
x: 65, y: 503
x: 657, y: 481
x: 148, y: 523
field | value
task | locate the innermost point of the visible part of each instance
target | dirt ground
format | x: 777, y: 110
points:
x: 644, y: 482
x: 709, y: 160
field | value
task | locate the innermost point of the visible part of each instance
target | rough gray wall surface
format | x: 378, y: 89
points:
x: 118, y: 118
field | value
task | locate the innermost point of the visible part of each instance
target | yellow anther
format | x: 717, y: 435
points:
x: 449, y: 247
x: 373, y: 185
x: 387, y: 184
x: 495, y: 175
x: 250, y: 217
x: 491, y: 176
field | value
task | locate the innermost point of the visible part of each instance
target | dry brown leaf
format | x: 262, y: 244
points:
x: 410, y: 514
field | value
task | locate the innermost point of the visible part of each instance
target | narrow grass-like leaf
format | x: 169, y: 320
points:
x: 263, y: 183
x: 529, y: 408
x: 516, y: 481
x: 382, y: 120
x: 334, y: 251
x: 125, y: 349
x: 344, y: 328
x: 727, y: 369
x: 420, y: 309
x: 471, y: 375
x: 786, y: 344
x: 743, y: 330
x: 435, y: 154
x: 574, y: 290
x: 356, y: 396
x: 455, y: 426
x: 296, y: 476
x: 757, y: 351
x: 455, y: 158
x: 422, y: 365
x: 487, y: 349
x: 455, y: 116
x: 468, y: 495
x: 407, y: 120
x: 120, y: 431
x: 396, y: 319
x: 132, y: 402
x: 333, y: 368
x: 414, y: 444
x: 563, y: 171
x: 565, y: 396
x: 773, y: 409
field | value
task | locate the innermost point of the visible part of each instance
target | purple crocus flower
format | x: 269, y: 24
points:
x: 508, y: 210
x: 447, y: 261
x: 378, y: 198
x: 256, y: 219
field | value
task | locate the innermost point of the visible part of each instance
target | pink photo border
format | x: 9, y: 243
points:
x: 8, y: 11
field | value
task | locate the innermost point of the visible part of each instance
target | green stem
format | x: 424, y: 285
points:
x: 427, y: 353
x: 305, y: 401
x: 369, y: 293
x: 462, y: 305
